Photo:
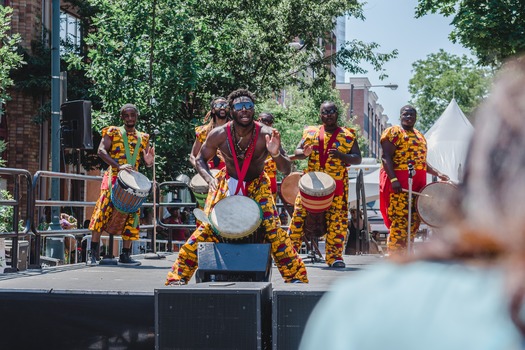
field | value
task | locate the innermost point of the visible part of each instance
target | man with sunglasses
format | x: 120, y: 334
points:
x: 244, y: 144
x: 218, y: 115
x: 330, y: 148
x: 404, y: 149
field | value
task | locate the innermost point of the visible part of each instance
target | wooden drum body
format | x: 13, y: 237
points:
x: 290, y: 188
x: 317, y: 193
x: 199, y: 187
x: 127, y: 195
x: 433, y: 204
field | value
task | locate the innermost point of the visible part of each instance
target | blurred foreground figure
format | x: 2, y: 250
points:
x: 466, y: 289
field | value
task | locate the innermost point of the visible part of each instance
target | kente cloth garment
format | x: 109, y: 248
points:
x: 285, y: 256
x: 337, y: 215
x: 411, y: 147
x: 201, y: 133
x: 270, y: 168
x: 104, y: 207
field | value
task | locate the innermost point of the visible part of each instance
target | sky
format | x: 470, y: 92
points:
x: 392, y: 25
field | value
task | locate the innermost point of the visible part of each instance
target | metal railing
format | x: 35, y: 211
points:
x: 15, y: 234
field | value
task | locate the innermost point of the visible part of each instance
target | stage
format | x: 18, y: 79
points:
x: 114, y: 307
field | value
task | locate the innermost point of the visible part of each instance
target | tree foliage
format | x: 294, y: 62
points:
x: 170, y: 57
x: 441, y: 77
x: 492, y: 29
x: 9, y: 57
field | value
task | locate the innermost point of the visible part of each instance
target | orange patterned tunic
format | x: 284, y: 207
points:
x: 104, y: 207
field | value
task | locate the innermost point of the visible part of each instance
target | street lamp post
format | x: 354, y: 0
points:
x: 390, y: 86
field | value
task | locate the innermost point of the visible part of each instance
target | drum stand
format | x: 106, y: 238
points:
x: 314, y: 253
x: 109, y: 259
x: 411, y: 173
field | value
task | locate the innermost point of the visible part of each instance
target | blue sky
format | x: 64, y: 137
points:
x: 391, y: 24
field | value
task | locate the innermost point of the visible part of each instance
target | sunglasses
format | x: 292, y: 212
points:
x: 246, y: 105
x: 267, y: 121
x: 329, y: 111
x: 220, y: 105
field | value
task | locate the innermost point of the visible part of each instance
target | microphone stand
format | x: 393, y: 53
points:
x: 154, y: 254
x: 411, y: 173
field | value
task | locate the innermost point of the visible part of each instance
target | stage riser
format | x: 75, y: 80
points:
x: 76, y: 321
x: 189, y: 317
x: 214, y: 316
x: 290, y: 310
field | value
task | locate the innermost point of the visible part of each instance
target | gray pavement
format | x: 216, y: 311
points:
x: 144, y: 279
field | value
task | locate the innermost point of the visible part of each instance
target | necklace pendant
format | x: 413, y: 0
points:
x: 241, y: 156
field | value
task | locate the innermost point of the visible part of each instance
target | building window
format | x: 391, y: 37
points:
x: 70, y: 37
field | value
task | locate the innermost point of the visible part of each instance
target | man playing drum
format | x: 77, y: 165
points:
x: 329, y: 149
x: 402, y: 145
x: 244, y: 144
x: 120, y: 148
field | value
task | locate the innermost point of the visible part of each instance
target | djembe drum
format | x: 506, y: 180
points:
x: 199, y: 188
x: 290, y: 188
x: 433, y: 203
x: 234, y: 219
x: 127, y: 195
x: 317, y: 192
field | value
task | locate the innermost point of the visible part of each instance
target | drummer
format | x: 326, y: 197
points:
x: 244, y: 144
x: 330, y: 148
x: 121, y: 148
x: 218, y: 115
x: 402, y: 145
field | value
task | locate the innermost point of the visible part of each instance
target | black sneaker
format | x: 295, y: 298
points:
x: 127, y: 260
x: 338, y: 264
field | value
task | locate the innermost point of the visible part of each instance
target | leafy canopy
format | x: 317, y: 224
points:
x: 493, y: 29
x: 441, y: 77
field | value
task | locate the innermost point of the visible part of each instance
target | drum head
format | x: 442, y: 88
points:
x: 197, y: 183
x: 290, y: 187
x: 236, y: 217
x: 317, y: 184
x: 134, y: 180
x: 433, y: 206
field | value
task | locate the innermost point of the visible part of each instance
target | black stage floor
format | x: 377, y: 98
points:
x: 113, y: 307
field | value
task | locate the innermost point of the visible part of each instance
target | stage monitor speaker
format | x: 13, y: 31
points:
x: 76, y: 125
x: 215, y: 315
x: 290, y: 312
x: 250, y: 262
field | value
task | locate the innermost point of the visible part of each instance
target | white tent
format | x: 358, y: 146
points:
x: 448, y: 140
x: 371, y: 188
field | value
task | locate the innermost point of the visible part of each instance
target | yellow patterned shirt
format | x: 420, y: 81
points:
x: 343, y: 143
x: 118, y: 151
x: 410, y: 146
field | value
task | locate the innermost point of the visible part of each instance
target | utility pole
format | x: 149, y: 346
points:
x: 55, y: 110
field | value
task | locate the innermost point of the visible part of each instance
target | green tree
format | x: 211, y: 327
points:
x: 492, y: 29
x: 170, y: 57
x: 9, y: 57
x: 441, y: 77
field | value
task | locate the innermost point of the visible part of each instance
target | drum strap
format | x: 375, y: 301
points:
x: 241, y: 174
x: 129, y: 159
x: 323, y: 154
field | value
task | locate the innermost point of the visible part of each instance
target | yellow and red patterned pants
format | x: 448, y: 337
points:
x: 398, y: 215
x: 285, y: 256
x: 102, y: 213
x: 336, y: 227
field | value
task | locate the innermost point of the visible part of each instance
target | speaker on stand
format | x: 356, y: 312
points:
x: 77, y: 135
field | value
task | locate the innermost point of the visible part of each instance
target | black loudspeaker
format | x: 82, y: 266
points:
x: 248, y: 262
x: 216, y: 315
x: 76, y: 125
x: 290, y: 312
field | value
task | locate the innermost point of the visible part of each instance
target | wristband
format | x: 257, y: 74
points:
x: 394, y: 179
x: 278, y: 154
